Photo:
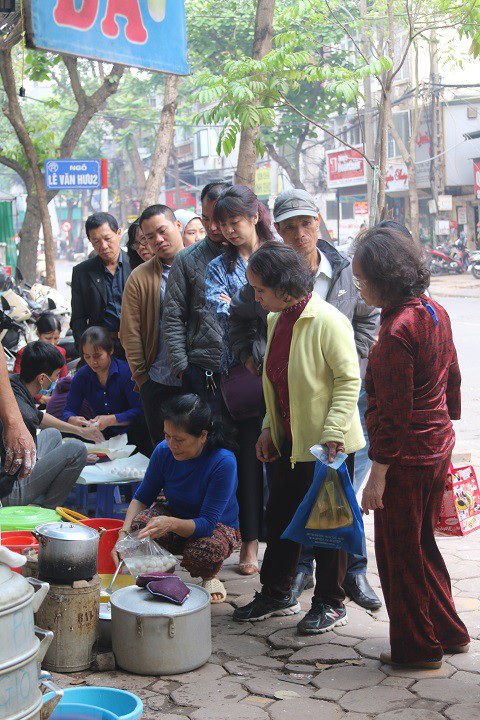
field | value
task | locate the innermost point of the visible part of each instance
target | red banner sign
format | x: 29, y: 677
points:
x: 476, y: 177
x: 345, y: 168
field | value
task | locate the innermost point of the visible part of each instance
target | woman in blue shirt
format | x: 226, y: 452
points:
x: 105, y: 383
x: 245, y: 224
x: 196, y: 473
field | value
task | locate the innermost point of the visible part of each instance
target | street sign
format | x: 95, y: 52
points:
x: 66, y: 226
x: 73, y: 174
x: 149, y: 34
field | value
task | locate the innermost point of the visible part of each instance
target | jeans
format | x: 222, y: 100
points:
x: 57, y: 470
x: 357, y: 564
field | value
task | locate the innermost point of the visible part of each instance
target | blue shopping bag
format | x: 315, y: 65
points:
x: 329, y: 514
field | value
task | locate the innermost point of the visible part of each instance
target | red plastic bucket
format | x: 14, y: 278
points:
x: 18, y: 541
x: 107, y: 541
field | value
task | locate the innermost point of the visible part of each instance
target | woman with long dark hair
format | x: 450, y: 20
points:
x: 138, y: 250
x: 194, y: 468
x: 413, y: 394
x: 245, y: 224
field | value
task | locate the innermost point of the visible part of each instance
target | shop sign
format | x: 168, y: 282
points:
x: 345, y: 168
x: 476, y: 177
x: 186, y: 199
x: 462, y: 215
x: 360, y: 208
x: 445, y: 203
x: 73, y: 174
x: 396, y: 178
x: 263, y: 181
x: 148, y: 34
x: 422, y: 155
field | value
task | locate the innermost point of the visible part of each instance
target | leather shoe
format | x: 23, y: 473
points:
x: 302, y: 581
x: 358, y: 588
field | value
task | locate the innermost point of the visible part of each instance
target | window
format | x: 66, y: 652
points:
x: 347, y: 210
x: 201, y: 148
x: 399, y: 50
x: 332, y: 210
x: 402, y: 124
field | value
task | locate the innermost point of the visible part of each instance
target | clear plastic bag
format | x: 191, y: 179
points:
x: 144, y: 556
x: 331, y: 509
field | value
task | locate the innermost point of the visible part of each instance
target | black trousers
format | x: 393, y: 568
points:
x: 250, y: 480
x: 194, y: 380
x: 287, y: 490
x: 153, y: 395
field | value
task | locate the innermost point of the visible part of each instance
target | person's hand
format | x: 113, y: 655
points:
x: 102, y: 422
x: 78, y: 421
x: 372, y: 498
x: 20, y: 450
x: 249, y: 365
x: 265, y: 449
x: 92, y: 434
x: 156, y: 527
x: 115, y: 555
x: 225, y: 298
x: 333, y: 449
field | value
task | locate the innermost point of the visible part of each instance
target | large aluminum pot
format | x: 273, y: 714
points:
x: 66, y: 552
x: 150, y: 637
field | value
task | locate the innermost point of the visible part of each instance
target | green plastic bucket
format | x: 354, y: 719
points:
x: 25, y: 517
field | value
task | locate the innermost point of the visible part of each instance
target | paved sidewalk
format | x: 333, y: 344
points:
x: 461, y: 286
x: 265, y: 671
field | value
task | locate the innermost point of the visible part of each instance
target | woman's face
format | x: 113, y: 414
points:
x: 141, y: 246
x: 97, y: 358
x: 51, y: 338
x: 239, y: 230
x: 183, y: 445
x: 266, y: 296
x: 193, y: 232
x: 369, y: 293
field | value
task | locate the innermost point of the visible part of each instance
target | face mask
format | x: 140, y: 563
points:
x: 49, y: 390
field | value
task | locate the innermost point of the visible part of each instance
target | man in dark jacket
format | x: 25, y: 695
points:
x: 98, y: 283
x: 297, y: 221
x: 193, y: 336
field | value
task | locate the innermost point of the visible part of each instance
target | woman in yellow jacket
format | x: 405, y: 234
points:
x: 311, y: 383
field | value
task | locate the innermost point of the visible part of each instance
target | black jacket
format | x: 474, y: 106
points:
x: 248, y: 320
x: 32, y: 419
x: 89, y: 294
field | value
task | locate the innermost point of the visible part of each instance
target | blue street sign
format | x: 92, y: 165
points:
x: 149, y: 34
x: 73, y: 174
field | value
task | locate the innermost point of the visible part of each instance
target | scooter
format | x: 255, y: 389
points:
x: 10, y: 334
x: 442, y: 262
x: 474, y: 263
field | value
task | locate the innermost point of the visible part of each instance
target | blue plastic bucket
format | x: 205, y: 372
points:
x: 124, y: 705
x: 75, y: 711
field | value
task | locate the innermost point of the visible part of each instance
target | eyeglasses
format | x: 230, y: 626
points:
x: 138, y: 245
x: 358, y: 282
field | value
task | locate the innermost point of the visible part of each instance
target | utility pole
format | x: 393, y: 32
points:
x: 437, y: 175
x: 367, y: 115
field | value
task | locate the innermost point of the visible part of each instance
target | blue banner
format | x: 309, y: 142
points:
x: 73, y: 174
x: 148, y: 34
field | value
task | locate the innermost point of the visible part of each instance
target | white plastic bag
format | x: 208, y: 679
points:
x: 144, y: 556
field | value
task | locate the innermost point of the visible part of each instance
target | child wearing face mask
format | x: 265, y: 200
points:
x: 48, y: 330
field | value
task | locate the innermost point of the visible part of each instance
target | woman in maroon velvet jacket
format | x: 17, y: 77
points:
x: 413, y: 391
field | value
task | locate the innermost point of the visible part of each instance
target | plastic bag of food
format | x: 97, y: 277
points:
x: 144, y: 556
x: 329, y: 515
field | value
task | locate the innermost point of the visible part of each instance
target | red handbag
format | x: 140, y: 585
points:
x: 460, y: 512
x: 242, y: 393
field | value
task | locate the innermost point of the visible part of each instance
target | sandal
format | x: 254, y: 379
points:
x: 248, y: 568
x: 215, y: 587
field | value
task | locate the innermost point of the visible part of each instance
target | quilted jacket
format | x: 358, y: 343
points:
x: 191, y: 331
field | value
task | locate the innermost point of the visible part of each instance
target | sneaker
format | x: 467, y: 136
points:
x: 321, y: 618
x: 263, y: 607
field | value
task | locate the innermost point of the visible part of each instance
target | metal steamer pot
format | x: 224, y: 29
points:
x: 23, y: 645
x: 150, y: 637
x: 66, y: 552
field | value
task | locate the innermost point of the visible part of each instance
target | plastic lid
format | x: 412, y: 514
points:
x: 25, y: 518
x: 66, y: 531
x: 138, y: 601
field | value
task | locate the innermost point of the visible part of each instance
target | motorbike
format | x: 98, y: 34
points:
x: 474, y: 264
x: 441, y: 261
x: 11, y: 333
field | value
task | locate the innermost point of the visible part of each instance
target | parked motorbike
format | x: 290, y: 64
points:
x: 11, y: 334
x: 474, y: 264
x: 441, y: 261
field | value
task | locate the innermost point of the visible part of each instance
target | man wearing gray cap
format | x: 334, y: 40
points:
x: 297, y: 221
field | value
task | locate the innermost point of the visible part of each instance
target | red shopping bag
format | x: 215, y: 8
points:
x: 460, y: 512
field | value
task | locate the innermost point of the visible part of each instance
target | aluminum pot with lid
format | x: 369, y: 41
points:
x: 66, y: 552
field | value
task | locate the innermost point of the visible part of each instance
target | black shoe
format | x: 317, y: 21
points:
x: 302, y: 581
x: 359, y: 589
x: 264, y: 606
x: 321, y: 618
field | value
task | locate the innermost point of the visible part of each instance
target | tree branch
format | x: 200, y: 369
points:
x: 15, y: 166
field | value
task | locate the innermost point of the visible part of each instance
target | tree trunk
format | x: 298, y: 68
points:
x: 262, y: 44
x: 163, y: 144
x: 29, y: 233
x: 137, y: 166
